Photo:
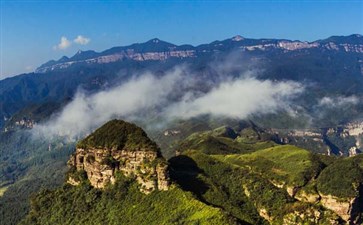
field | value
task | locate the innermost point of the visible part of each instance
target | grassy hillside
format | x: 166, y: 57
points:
x: 122, y: 203
x: 284, y: 164
x: 240, y: 192
x: 225, y: 140
x: 342, y: 178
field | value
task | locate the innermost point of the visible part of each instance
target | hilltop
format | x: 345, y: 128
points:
x: 118, y: 134
x: 118, y: 147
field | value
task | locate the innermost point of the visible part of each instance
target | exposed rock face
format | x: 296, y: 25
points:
x: 346, y: 209
x: 354, y: 128
x: 128, y: 54
x: 264, y: 214
x: 343, y: 208
x: 307, y: 197
x: 310, y: 216
x: 292, y: 190
x: 157, y: 50
x: 101, y: 163
x: 353, y: 151
x: 101, y: 166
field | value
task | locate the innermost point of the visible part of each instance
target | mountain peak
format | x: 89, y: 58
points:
x: 157, y: 41
x: 116, y: 134
x: 63, y: 59
x: 80, y: 55
x: 124, y: 147
x: 238, y: 38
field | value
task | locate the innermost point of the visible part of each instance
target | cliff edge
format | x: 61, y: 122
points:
x: 118, y: 146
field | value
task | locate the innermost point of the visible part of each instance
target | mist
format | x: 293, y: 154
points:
x: 338, y: 101
x: 238, y: 98
x: 174, y: 95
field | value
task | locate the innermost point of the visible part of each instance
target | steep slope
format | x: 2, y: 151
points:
x: 283, y: 184
x: 118, y: 146
x: 122, y: 167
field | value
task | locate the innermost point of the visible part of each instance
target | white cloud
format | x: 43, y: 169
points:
x: 239, y: 99
x: 81, y: 40
x: 85, y: 113
x: 338, y: 101
x: 64, y: 44
x: 148, y: 95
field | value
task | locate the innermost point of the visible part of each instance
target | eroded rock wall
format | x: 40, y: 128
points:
x: 100, y: 165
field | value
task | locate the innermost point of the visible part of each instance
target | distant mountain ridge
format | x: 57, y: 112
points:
x: 158, y: 50
x: 334, y: 66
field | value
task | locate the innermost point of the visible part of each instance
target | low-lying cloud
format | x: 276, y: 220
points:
x: 238, y: 99
x: 148, y: 95
x: 338, y: 101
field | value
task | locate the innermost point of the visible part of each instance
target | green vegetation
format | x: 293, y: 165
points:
x: 77, y: 175
x: 121, y: 203
x: 237, y: 190
x: 118, y: 134
x: 284, y: 164
x: 224, y: 140
x: 342, y: 178
x: 35, y: 112
x: 26, y: 166
x: 223, y: 176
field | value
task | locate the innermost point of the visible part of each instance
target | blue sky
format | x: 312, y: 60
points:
x: 31, y: 30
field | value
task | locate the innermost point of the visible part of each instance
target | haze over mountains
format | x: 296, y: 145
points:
x: 213, y: 107
x: 330, y: 68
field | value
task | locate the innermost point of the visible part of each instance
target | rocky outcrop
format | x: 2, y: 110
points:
x: 347, y: 209
x: 119, y: 147
x: 307, y: 197
x: 264, y: 214
x: 344, y: 208
x: 310, y: 216
x: 129, y: 54
x: 353, y: 151
x: 292, y: 190
x: 354, y: 128
x: 100, y: 165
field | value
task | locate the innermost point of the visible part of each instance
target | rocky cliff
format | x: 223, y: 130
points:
x: 347, y: 208
x: 119, y: 147
x: 158, y: 50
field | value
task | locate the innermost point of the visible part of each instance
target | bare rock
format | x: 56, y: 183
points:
x: 151, y: 171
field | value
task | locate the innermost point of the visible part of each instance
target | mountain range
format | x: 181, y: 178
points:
x: 332, y: 66
x: 159, y: 50
x: 292, y: 160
